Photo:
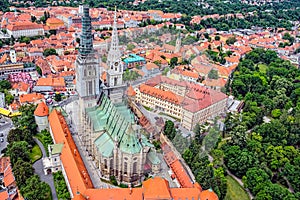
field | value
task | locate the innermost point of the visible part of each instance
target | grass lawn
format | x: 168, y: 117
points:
x: 235, y: 191
x: 39, y: 136
x: 262, y: 68
x: 35, y: 154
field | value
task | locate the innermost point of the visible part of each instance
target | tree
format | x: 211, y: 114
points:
x: 173, y: 62
x: 18, y: 150
x: 26, y: 120
x: 169, y: 129
x: 213, y: 74
x: 22, y: 171
x: 274, y: 191
x: 231, y: 40
x: 239, y: 161
x: 8, y: 97
x: 39, y: 70
x: 255, y: 179
x: 33, y: 18
x: 15, y: 135
x: 35, y: 189
x: 4, y: 85
x: 49, y: 51
x: 130, y: 46
x: 217, y: 38
x: 239, y: 136
x: 57, y: 97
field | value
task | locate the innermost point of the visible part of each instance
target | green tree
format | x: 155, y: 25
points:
x: 169, y: 129
x: 22, y: 171
x: 49, y: 51
x: 4, y: 85
x: 26, y: 120
x: 231, y: 40
x: 213, y: 74
x: 57, y: 97
x: 18, y: 150
x: 130, y: 46
x: 217, y: 38
x: 255, y: 179
x: 173, y: 62
x: 35, y: 189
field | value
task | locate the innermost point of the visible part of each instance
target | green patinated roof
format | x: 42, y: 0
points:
x: 130, y: 142
x: 56, y: 148
x: 105, y: 145
x: 153, y: 158
x: 117, y: 122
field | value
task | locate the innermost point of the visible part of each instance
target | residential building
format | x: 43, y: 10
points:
x: 133, y: 61
x: 27, y: 29
x: 56, y: 84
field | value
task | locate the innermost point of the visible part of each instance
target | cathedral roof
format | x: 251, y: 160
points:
x: 118, y: 125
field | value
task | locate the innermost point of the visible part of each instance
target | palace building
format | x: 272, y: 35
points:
x: 189, y: 102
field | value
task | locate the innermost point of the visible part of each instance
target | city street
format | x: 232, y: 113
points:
x: 5, y: 126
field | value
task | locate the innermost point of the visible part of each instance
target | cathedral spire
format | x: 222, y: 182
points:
x: 114, y: 53
x: 86, y: 38
x: 178, y: 44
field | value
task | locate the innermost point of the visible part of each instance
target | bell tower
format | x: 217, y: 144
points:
x: 87, y: 64
x: 115, y: 86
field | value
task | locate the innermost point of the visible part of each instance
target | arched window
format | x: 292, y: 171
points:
x: 135, y: 167
x: 125, y: 168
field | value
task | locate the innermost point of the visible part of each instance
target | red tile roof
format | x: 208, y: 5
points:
x: 74, y: 167
x: 41, y: 110
x: 156, y: 188
x: 31, y: 98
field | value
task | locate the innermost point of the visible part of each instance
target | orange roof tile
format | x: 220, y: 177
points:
x: 165, y: 95
x: 4, y: 195
x: 30, y: 98
x: 9, y: 178
x: 208, y: 195
x: 41, y: 110
x: 4, y: 163
x: 156, y: 188
x: 185, y: 193
x: 130, y: 91
x: 75, y: 169
x: 55, y: 82
x: 21, y: 86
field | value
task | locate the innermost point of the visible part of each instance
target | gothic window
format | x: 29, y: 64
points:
x: 105, y: 164
x: 85, y: 72
x: 90, y: 87
x: 111, y: 164
x: 125, y: 168
x: 115, y: 81
x: 135, y: 167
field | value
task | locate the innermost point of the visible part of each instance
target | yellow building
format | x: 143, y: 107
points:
x: 189, y: 102
x: 54, y: 23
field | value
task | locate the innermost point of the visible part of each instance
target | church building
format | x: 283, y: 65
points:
x: 109, y: 130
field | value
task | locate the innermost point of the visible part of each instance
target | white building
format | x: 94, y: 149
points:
x: 52, y: 163
x: 27, y: 29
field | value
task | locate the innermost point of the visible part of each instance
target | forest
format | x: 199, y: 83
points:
x: 260, y: 145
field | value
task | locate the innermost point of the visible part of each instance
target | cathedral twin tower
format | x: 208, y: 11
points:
x: 88, y: 70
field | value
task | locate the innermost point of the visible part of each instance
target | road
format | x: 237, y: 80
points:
x: 39, y: 170
x: 5, y: 127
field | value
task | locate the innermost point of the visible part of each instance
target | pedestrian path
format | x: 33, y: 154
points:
x: 39, y: 170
